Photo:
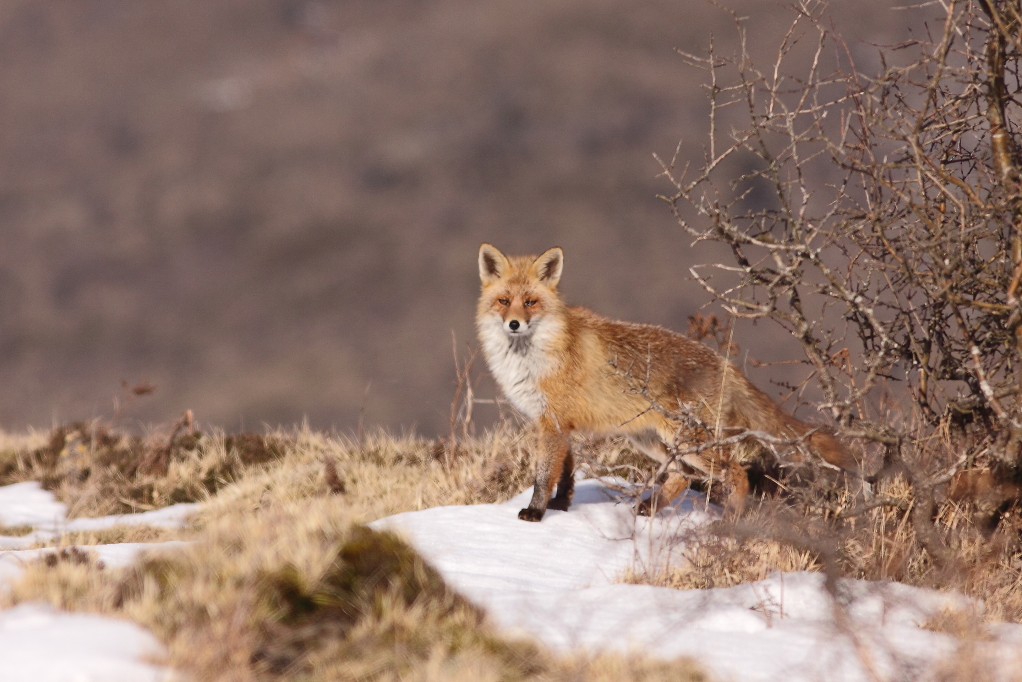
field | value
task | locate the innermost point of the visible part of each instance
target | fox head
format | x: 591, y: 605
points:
x: 518, y: 292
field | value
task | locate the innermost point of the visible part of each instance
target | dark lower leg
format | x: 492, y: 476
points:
x: 554, y: 450
x: 542, y: 489
x: 675, y: 485
x: 565, y: 485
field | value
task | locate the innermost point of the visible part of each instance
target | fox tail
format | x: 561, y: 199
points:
x: 754, y: 409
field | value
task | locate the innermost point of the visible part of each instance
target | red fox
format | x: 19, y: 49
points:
x: 569, y: 369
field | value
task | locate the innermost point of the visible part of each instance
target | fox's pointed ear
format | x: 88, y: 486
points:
x: 492, y: 264
x: 548, y: 266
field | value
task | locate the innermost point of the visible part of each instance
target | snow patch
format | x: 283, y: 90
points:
x: 41, y: 644
x: 556, y: 580
x: 27, y: 504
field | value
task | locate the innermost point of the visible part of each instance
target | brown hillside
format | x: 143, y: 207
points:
x: 261, y: 206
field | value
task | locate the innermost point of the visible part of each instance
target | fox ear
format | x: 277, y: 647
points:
x: 548, y: 266
x: 492, y: 264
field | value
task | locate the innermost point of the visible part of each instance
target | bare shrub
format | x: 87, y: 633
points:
x: 913, y: 241
x: 877, y: 218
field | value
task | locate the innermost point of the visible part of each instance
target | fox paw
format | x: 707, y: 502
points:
x: 559, y: 503
x: 530, y: 514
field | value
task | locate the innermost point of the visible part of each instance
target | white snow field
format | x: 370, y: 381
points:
x: 555, y: 580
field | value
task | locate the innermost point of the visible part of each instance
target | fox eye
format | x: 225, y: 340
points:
x: 503, y: 301
x: 531, y: 302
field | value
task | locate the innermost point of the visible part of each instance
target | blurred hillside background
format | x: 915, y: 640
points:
x: 261, y: 206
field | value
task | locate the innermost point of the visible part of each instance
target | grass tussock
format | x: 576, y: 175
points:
x: 282, y: 579
x: 384, y: 474
x: 301, y: 590
x: 711, y: 560
x: 959, y: 542
x: 97, y: 470
x: 110, y: 536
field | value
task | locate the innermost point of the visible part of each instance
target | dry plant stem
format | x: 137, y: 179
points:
x: 159, y: 460
x: 1006, y: 19
x: 464, y: 399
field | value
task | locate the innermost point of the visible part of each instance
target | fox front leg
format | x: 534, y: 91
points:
x: 565, y: 485
x: 553, y: 466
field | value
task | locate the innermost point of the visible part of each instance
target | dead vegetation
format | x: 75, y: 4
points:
x: 784, y: 534
x: 109, y: 536
x: 15, y: 531
x: 98, y: 470
x: 899, y: 278
x: 300, y: 590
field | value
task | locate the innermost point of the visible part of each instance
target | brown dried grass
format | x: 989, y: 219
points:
x: 254, y: 502
x: 301, y: 590
x: 282, y: 580
x: 790, y: 534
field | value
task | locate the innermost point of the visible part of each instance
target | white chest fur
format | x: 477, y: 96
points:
x: 518, y: 363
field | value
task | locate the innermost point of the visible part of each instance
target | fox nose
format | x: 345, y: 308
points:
x: 514, y: 325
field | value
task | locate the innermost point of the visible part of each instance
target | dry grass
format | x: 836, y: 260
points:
x: 12, y: 453
x: 301, y: 590
x: 282, y: 580
x: 983, y: 562
x: 112, y: 535
x: 384, y: 474
x: 13, y: 443
x: 280, y: 507
x: 714, y: 560
x: 97, y: 470
x: 801, y: 533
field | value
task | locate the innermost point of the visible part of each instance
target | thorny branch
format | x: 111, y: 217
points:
x: 878, y: 220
